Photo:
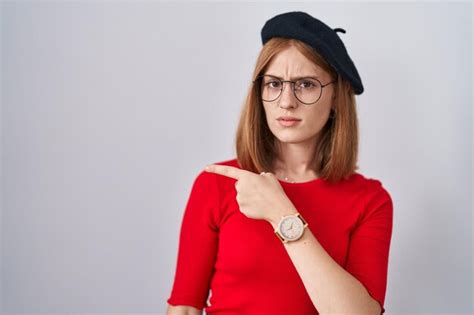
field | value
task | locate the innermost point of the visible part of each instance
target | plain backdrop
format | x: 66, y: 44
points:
x: 111, y: 109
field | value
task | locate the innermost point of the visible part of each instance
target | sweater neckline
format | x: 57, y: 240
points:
x: 288, y: 184
x: 300, y: 184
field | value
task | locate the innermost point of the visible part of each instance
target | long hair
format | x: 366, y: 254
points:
x: 335, y: 157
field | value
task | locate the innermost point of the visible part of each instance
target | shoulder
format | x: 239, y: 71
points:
x: 369, y: 184
x: 357, y: 184
x: 376, y: 195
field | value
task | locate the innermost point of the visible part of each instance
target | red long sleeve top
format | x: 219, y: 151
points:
x: 229, y: 264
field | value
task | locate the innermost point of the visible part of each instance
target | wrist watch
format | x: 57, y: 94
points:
x: 291, y: 227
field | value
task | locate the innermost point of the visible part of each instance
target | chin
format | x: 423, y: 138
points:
x: 291, y: 137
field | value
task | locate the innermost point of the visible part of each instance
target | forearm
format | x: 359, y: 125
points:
x: 331, y: 288
x: 182, y: 310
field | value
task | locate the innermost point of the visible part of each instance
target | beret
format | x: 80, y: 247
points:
x: 325, y: 40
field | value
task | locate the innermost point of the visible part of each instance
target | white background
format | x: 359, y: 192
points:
x: 111, y: 109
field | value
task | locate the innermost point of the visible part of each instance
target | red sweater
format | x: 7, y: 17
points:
x: 246, y: 267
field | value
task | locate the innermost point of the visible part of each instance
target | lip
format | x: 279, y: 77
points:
x: 288, y: 123
x: 288, y: 118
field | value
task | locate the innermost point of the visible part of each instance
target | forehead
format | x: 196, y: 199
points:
x: 291, y: 63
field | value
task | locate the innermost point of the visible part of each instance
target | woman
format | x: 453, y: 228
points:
x: 289, y: 226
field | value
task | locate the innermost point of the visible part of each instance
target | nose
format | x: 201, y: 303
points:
x: 287, y: 97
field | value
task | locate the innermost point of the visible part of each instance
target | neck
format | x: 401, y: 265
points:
x: 294, y: 160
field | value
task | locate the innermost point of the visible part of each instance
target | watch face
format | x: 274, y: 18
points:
x: 291, y: 228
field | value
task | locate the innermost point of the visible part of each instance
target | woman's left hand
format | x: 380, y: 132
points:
x: 258, y: 196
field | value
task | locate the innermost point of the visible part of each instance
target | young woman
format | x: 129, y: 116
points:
x: 289, y: 226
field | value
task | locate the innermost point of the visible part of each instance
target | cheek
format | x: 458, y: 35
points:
x: 323, y: 118
x: 316, y: 120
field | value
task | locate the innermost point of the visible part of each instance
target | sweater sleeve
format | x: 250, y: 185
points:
x: 370, y: 243
x: 197, y: 244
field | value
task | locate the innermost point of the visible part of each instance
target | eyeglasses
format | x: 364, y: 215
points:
x: 307, y: 90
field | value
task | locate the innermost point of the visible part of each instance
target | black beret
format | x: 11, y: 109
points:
x: 302, y: 26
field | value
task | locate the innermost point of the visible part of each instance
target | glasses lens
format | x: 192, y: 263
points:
x: 270, y: 88
x: 308, y: 90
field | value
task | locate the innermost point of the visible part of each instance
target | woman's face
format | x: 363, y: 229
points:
x: 287, y: 65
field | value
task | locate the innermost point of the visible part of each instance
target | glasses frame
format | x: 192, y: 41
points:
x: 258, y: 78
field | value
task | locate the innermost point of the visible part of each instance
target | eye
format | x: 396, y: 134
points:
x: 273, y: 83
x: 306, y: 83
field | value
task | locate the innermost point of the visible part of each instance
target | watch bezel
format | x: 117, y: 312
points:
x: 301, y: 222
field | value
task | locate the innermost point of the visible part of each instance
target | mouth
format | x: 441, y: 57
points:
x: 288, y: 118
x: 288, y: 122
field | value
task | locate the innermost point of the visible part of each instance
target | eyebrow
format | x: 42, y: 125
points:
x: 295, y: 78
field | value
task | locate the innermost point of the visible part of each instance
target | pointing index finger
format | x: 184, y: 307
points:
x: 229, y: 171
